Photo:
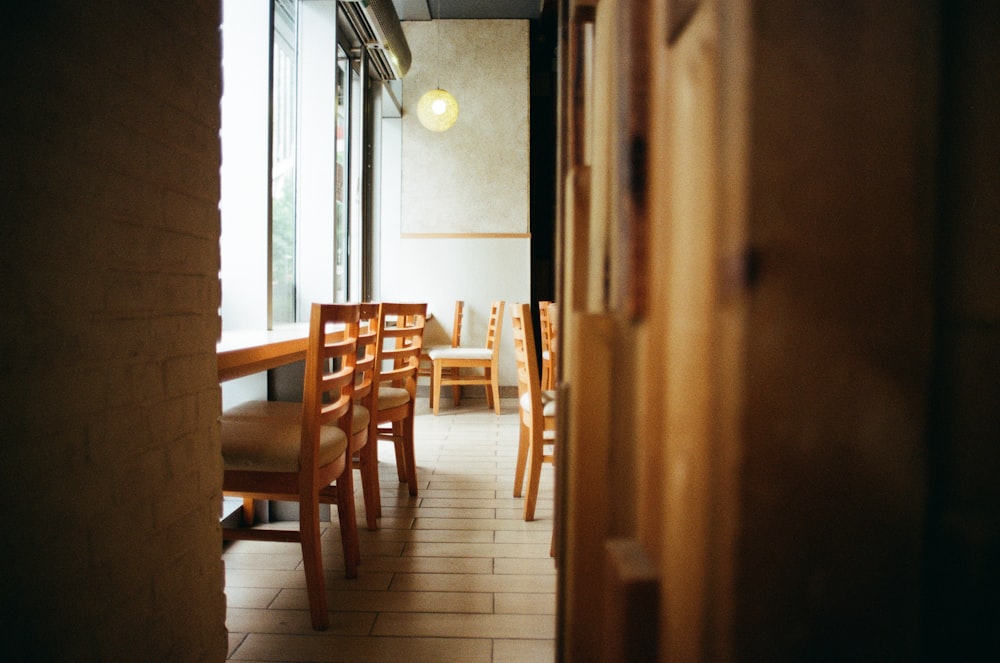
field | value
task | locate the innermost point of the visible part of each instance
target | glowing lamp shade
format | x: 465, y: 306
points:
x: 437, y: 110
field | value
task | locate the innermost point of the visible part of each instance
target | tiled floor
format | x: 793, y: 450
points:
x: 452, y: 575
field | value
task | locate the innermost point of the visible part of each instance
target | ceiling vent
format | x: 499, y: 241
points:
x: 377, y: 25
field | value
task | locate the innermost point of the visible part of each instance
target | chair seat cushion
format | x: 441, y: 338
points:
x: 361, y: 418
x: 460, y: 353
x: 390, y: 397
x: 289, y: 411
x: 265, y: 436
x: 285, y: 410
x: 548, y: 402
x: 431, y: 348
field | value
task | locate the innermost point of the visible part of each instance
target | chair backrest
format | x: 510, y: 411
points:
x: 544, y: 324
x: 496, y: 325
x: 399, y: 344
x: 553, y: 331
x: 328, y: 387
x: 456, y: 326
x: 553, y: 334
x: 525, y: 359
x: 365, y: 368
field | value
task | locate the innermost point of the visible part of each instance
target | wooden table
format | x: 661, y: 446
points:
x: 245, y: 352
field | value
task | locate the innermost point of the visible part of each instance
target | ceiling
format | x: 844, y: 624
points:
x: 422, y: 10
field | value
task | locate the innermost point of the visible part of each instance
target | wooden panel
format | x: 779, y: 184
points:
x: 591, y: 341
x: 631, y: 611
x: 690, y: 340
x: 679, y: 13
x: 838, y: 330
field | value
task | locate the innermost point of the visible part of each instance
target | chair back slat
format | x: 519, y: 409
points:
x: 456, y: 325
x: 548, y: 319
x: 543, y: 324
x: 400, y: 341
x: 553, y: 330
x: 495, y: 327
x: 364, y: 368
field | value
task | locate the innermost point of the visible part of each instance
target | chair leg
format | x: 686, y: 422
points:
x: 248, y: 511
x: 432, y: 388
x: 409, y: 454
x: 436, y: 386
x: 312, y: 560
x: 377, y: 494
x: 373, y: 439
x: 495, y: 384
x: 348, y: 522
x: 522, y: 459
x: 488, y: 384
x: 535, y: 456
x: 395, y: 436
x: 369, y: 484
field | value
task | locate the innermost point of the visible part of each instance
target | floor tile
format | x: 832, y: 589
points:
x: 464, y: 625
x: 323, y: 648
x: 451, y: 582
x: 524, y: 651
x: 393, y: 601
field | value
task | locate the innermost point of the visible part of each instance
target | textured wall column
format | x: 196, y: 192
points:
x: 111, y: 476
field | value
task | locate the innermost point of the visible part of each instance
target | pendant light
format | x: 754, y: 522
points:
x: 437, y: 109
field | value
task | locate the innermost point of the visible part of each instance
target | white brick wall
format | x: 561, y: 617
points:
x: 109, y: 237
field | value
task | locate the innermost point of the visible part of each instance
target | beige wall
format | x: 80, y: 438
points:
x: 109, y: 461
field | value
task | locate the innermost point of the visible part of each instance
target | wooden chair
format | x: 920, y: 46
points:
x: 300, y: 452
x: 364, y: 457
x: 537, y: 409
x: 398, y: 347
x: 427, y: 366
x: 449, y: 362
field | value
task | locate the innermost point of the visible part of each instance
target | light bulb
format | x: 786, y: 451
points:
x: 437, y: 110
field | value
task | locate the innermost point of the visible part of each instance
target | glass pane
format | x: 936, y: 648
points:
x: 355, y: 233
x: 340, y: 186
x: 283, y: 128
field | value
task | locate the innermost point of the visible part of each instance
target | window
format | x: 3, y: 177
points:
x: 343, y: 171
x: 284, y: 93
x: 292, y: 161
